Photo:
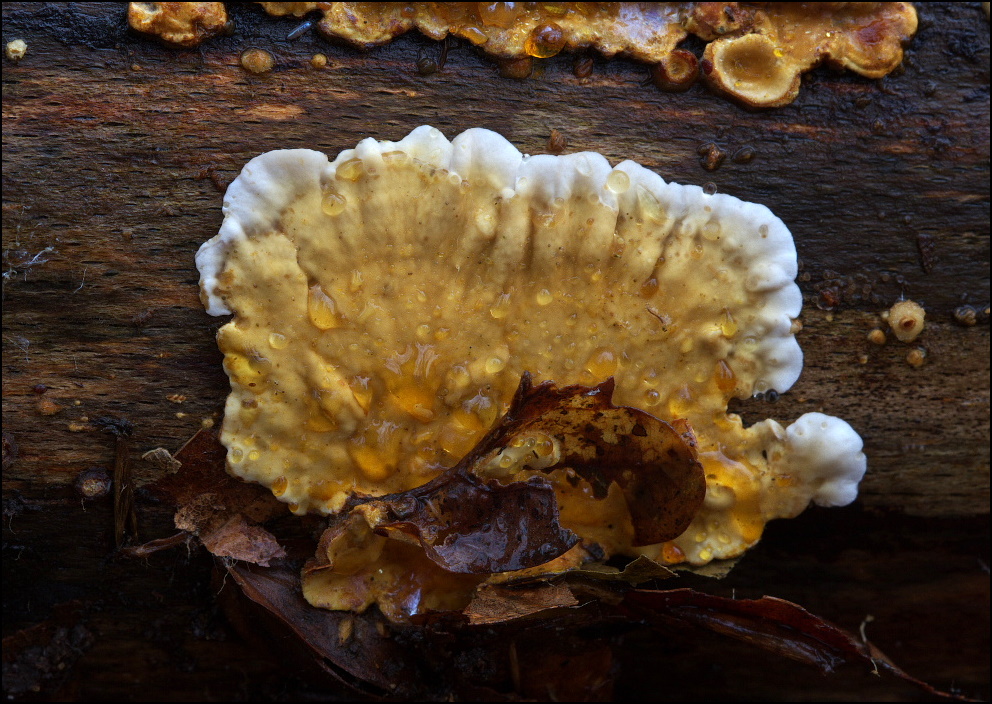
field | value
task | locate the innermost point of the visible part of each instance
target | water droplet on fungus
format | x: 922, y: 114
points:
x: 618, y: 181
x: 322, y: 309
x: 332, y: 202
x: 545, y: 41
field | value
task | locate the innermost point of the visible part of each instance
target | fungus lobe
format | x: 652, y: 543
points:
x: 387, y: 304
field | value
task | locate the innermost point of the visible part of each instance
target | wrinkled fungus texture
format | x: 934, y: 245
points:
x: 756, y: 52
x: 643, y: 31
x: 387, y: 303
x: 180, y: 24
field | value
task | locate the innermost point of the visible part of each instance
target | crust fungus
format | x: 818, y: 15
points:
x: 757, y: 54
x: 180, y: 24
x: 388, y: 303
x: 506, y: 30
x: 757, y: 51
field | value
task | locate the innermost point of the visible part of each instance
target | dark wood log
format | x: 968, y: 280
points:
x: 115, y: 153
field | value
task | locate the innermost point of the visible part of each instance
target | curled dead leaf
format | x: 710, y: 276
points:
x: 490, y: 513
x: 653, y: 462
x: 220, y: 510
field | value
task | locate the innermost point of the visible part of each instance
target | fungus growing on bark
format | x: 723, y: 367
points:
x: 642, y: 31
x: 387, y: 304
x: 16, y: 50
x: 757, y: 52
x: 758, y: 56
x: 906, y: 318
x: 180, y: 24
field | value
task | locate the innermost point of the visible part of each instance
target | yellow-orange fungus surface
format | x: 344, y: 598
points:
x: 386, y: 304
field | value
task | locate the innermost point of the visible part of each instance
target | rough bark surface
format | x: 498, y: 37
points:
x: 115, y: 153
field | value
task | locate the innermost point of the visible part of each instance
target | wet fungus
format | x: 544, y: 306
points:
x: 178, y: 24
x: 758, y: 59
x: 755, y: 54
x: 388, y: 303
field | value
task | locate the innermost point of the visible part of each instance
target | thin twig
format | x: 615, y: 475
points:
x: 125, y: 518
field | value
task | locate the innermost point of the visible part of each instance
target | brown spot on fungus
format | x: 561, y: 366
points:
x: 906, y: 319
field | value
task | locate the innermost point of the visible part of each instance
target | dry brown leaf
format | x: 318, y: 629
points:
x: 496, y: 604
x: 219, y: 509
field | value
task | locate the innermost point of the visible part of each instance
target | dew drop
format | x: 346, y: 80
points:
x: 602, y: 364
x: 332, y: 202
x: 711, y: 231
x: 545, y: 40
x: 351, y: 170
x: 494, y: 365
x: 728, y: 326
x: 321, y: 309
x: 618, y: 181
x: 501, y: 307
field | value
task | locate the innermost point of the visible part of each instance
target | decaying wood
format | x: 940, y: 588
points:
x: 114, y: 154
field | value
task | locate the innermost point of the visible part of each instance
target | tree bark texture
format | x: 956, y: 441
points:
x: 115, y: 155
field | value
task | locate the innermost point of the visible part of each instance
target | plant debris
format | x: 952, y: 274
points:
x: 548, y: 634
x: 125, y: 517
x: 223, y: 512
x: 496, y: 510
x: 463, y: 518
x: 497, y: 604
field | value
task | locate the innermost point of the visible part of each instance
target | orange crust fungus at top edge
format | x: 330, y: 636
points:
x: 755, y: 54
x: 758, y: 59
x: 178, y: 24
